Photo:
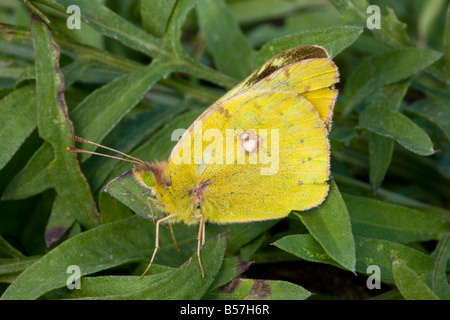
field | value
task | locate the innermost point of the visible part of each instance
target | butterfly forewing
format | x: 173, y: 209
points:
x: 290, y: 153
x: 262, y: 149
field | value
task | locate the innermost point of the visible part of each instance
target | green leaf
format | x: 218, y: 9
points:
x: 240, y: 234
x: 230, y: 269
x: 334, y: 40
x: 438, y: 281
x: 359, y: 187
x: 381, y: 148
x: 446, y: 41
x: 330, y: 225
x: 93, y: 120
x: 113, y: 25
x: 251, y: 11
x: 33, y: 178
x: 380, y: 155
x: 59, y: 222
x: 435, y: 109
x: 393, y: 124
x: 256, y: 289
x: 392, y: 32
x: 368, y: 252
x: 155, y: 15
x: 385, y: 68
x: 305, y: 247
x: 175, y: 25
x: 128, y: 191
x: 100, y: 248
x: 352, y: 11
x: 18, y: 120
x: 8, y: 250
x: 55, y: 127
x: 429, y: 13
x: 410, y: 284
x: 111, y: 209
x: 231, y: 52
x: 381, y: 220
x: 184, y: 282
x: 11, y: 268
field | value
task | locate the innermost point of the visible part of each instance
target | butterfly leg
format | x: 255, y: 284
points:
x: 200, y: 236
x: 151, y: 208
x: 203, y: 234
x: 153, y: 218
x: 156, y: 242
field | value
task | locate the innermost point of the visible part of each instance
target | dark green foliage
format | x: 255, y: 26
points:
x: 138, y: 70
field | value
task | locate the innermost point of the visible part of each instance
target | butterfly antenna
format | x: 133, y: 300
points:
x: 82, y: 140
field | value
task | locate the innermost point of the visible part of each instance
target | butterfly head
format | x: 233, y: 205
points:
x: 152, y: 174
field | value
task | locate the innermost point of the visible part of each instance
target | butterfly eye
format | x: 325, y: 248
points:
x: 148, y: 178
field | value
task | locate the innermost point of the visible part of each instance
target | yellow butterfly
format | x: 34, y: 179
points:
x: 257, y: 153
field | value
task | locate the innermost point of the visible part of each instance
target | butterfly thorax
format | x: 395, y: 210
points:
x: 185, y: 201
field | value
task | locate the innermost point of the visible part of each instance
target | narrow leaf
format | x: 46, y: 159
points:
x: 446, y: 41
x: 435, y: 109
x: 368, y: 252
x: 100, y: 248
x: 330, y: 225
x: 391, y: 32
x: 11, y: 268
x: 33, y: 178
x: 385, y: 68
x: 410, y: 285
x: 155, y: 15
x: 59, y: 222
x: 114, y: 26
x: 55, y: 127
x: 381, y: 220
x: 381, y: 148
x: 231, y: 52
x: 18, y: 120
x: 8, y: 250
x: 111, y: 209
x: 380, y: 155
x: 256, y: 289
x: 182, y: 283
x: 395, y: 125
x: 438, y: 281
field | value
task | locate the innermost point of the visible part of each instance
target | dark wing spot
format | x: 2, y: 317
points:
x: 224, y: 112
x: 285, y: 58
